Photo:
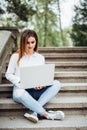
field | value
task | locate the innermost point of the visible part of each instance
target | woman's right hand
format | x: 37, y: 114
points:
x: 39, y: 87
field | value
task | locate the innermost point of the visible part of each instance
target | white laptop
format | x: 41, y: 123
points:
x: 39, y: 75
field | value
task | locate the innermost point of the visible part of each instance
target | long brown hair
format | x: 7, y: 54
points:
x: 24, y: 37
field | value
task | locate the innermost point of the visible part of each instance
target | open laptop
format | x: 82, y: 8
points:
x: 39, y: 75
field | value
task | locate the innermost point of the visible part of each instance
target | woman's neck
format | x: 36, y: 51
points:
x: 29, y: 53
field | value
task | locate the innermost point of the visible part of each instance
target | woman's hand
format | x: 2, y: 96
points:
x: 39, y: 87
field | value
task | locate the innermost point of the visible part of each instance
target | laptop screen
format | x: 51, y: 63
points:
x: 40, y: 75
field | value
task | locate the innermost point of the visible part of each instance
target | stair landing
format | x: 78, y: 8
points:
x: 20, y: 123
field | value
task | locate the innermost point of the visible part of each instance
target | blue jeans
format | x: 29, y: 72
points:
x: 35, y: 99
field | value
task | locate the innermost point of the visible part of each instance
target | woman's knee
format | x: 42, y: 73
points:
x: 18, y: 93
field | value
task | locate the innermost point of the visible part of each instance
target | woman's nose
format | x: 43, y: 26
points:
x: 30, y: 45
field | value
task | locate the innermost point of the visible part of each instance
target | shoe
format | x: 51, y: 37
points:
x: 56, y: 115
x: 31, y: 117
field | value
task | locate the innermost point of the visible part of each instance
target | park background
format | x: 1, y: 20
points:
x: 57, y: 22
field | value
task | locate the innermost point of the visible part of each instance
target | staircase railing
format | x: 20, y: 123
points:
x: 7, y: 44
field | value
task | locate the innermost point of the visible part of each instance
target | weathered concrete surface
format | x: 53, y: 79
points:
x: 20, y: 123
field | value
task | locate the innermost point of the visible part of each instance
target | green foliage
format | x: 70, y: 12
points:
x: 1, y: 10
x: 21, y: 9
x: 41, y: 15
x: 46, y: 23
x: 81, y: 12
x: 79, y: 30
x: 79, y: 35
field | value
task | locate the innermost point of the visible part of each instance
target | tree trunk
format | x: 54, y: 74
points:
x: 60, y: 26
x: 45, y: 26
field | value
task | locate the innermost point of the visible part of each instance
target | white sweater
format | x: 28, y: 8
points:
x: 13, y: 70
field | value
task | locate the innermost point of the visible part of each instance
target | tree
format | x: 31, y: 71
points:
x: 21, y: 8
x: 45, y: 22
x: 60, y: 25
x: 1, y: 9
x: 17, y: 13
x: 41, y: 15
x: 79, y: 29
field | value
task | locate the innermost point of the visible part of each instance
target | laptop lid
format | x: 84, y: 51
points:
x: 40, y: 75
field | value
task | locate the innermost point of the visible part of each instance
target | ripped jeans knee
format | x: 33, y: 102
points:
x: 17, y: 94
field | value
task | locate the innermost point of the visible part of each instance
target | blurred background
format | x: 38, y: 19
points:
x: 57, y: 22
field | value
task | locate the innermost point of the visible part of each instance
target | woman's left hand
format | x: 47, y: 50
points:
x: 39, y: 87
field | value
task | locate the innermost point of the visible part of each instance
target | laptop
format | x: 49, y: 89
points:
x: 39, y: 75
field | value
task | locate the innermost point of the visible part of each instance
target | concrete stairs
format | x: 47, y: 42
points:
x: 71, y: 70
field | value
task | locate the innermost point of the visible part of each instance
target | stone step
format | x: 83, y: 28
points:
x: 78, y: 93
x: 61, y: 102
x: 64, y: 87
x: 65, y: 76
x: 70, y: 66
x: 71, y: 73
x: 63, y: 49
x: 45, y: 50
x: 71, y: 93
x: 16, y: 112
x: 71, y: 122
x: 69, y: 57
x: 71, y: 76
x: 74, y: 86
x: 66, y: 57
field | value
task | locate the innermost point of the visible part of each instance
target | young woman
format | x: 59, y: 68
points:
x: 35, y: 98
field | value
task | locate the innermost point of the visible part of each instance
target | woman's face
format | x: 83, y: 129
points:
x: 30, y: 44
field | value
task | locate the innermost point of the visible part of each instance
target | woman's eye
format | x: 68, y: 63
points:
x: 31, y: 42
